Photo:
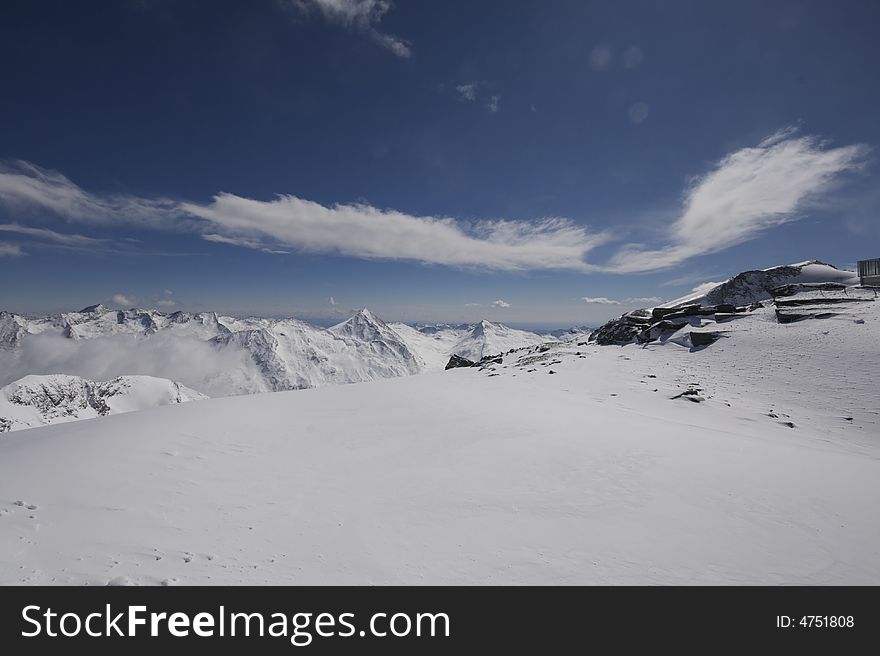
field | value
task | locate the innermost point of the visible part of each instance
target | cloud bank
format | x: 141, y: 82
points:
x: 196, y: 364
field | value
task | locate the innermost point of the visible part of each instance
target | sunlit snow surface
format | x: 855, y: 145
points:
x: 502, y: 475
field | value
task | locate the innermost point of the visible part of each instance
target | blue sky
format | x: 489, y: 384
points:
x: 431, y: 160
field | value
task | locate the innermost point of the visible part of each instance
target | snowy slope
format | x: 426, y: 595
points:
x: 291, y: 354
x: 40, y: 400
x: 565, y: 464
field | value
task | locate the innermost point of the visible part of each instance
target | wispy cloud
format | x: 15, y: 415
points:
x: 122, y: 299
x: 362, y: 16
x: 476, y: 91
x: 746, y: 193
x: 501, y: 304
x: 468, y: 91
x: 243, y: 242
x: 165, y: 302
x: 24, y: 185
x: 10, y: 250
x: 632, y: 300
x: 332, y: 301
x: 51, y: 235
x: 289, y: 222
x: 367, y: 232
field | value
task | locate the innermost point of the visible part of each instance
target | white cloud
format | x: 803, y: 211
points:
x: 168, y: 292
x: 10, y: 250
x: 51, y: 235
x: 500, y: 304
x: 643, y: 299
x: 122, y: 299
x: 472, y: 91
x: 166, y: 302
x: 367, y: 232
x: 362, y: 16
x: 332, y: 301
x: 746, y: 193
x: 600, y: 300
x: 355, y: 230
x: 473, y: 304
x: 468, y: 91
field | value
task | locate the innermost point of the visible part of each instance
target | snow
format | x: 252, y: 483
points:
x: 487, y: 338
x: 500, y: 475
x: 39, y: 400
x: 257, y: 354
x: 753, y: 286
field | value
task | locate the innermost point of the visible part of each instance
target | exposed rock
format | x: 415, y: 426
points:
x: 704, y: 339
x: 795, y: 288
x: 622, y: 330
x: 457, y: 361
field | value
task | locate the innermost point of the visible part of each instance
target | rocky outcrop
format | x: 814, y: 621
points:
x: 645, y: 326
x: 457, y: 361
x: 623, y: 330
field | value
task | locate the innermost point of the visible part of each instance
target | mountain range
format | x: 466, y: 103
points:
x: 731, y: 438
x: 255, y: 354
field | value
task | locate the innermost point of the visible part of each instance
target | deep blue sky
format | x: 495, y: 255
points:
x: 604, y: 112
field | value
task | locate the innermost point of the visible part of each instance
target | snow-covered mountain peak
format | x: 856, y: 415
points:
x: 488, y: 338
x: 483, y: 327
x: 365, y: 325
